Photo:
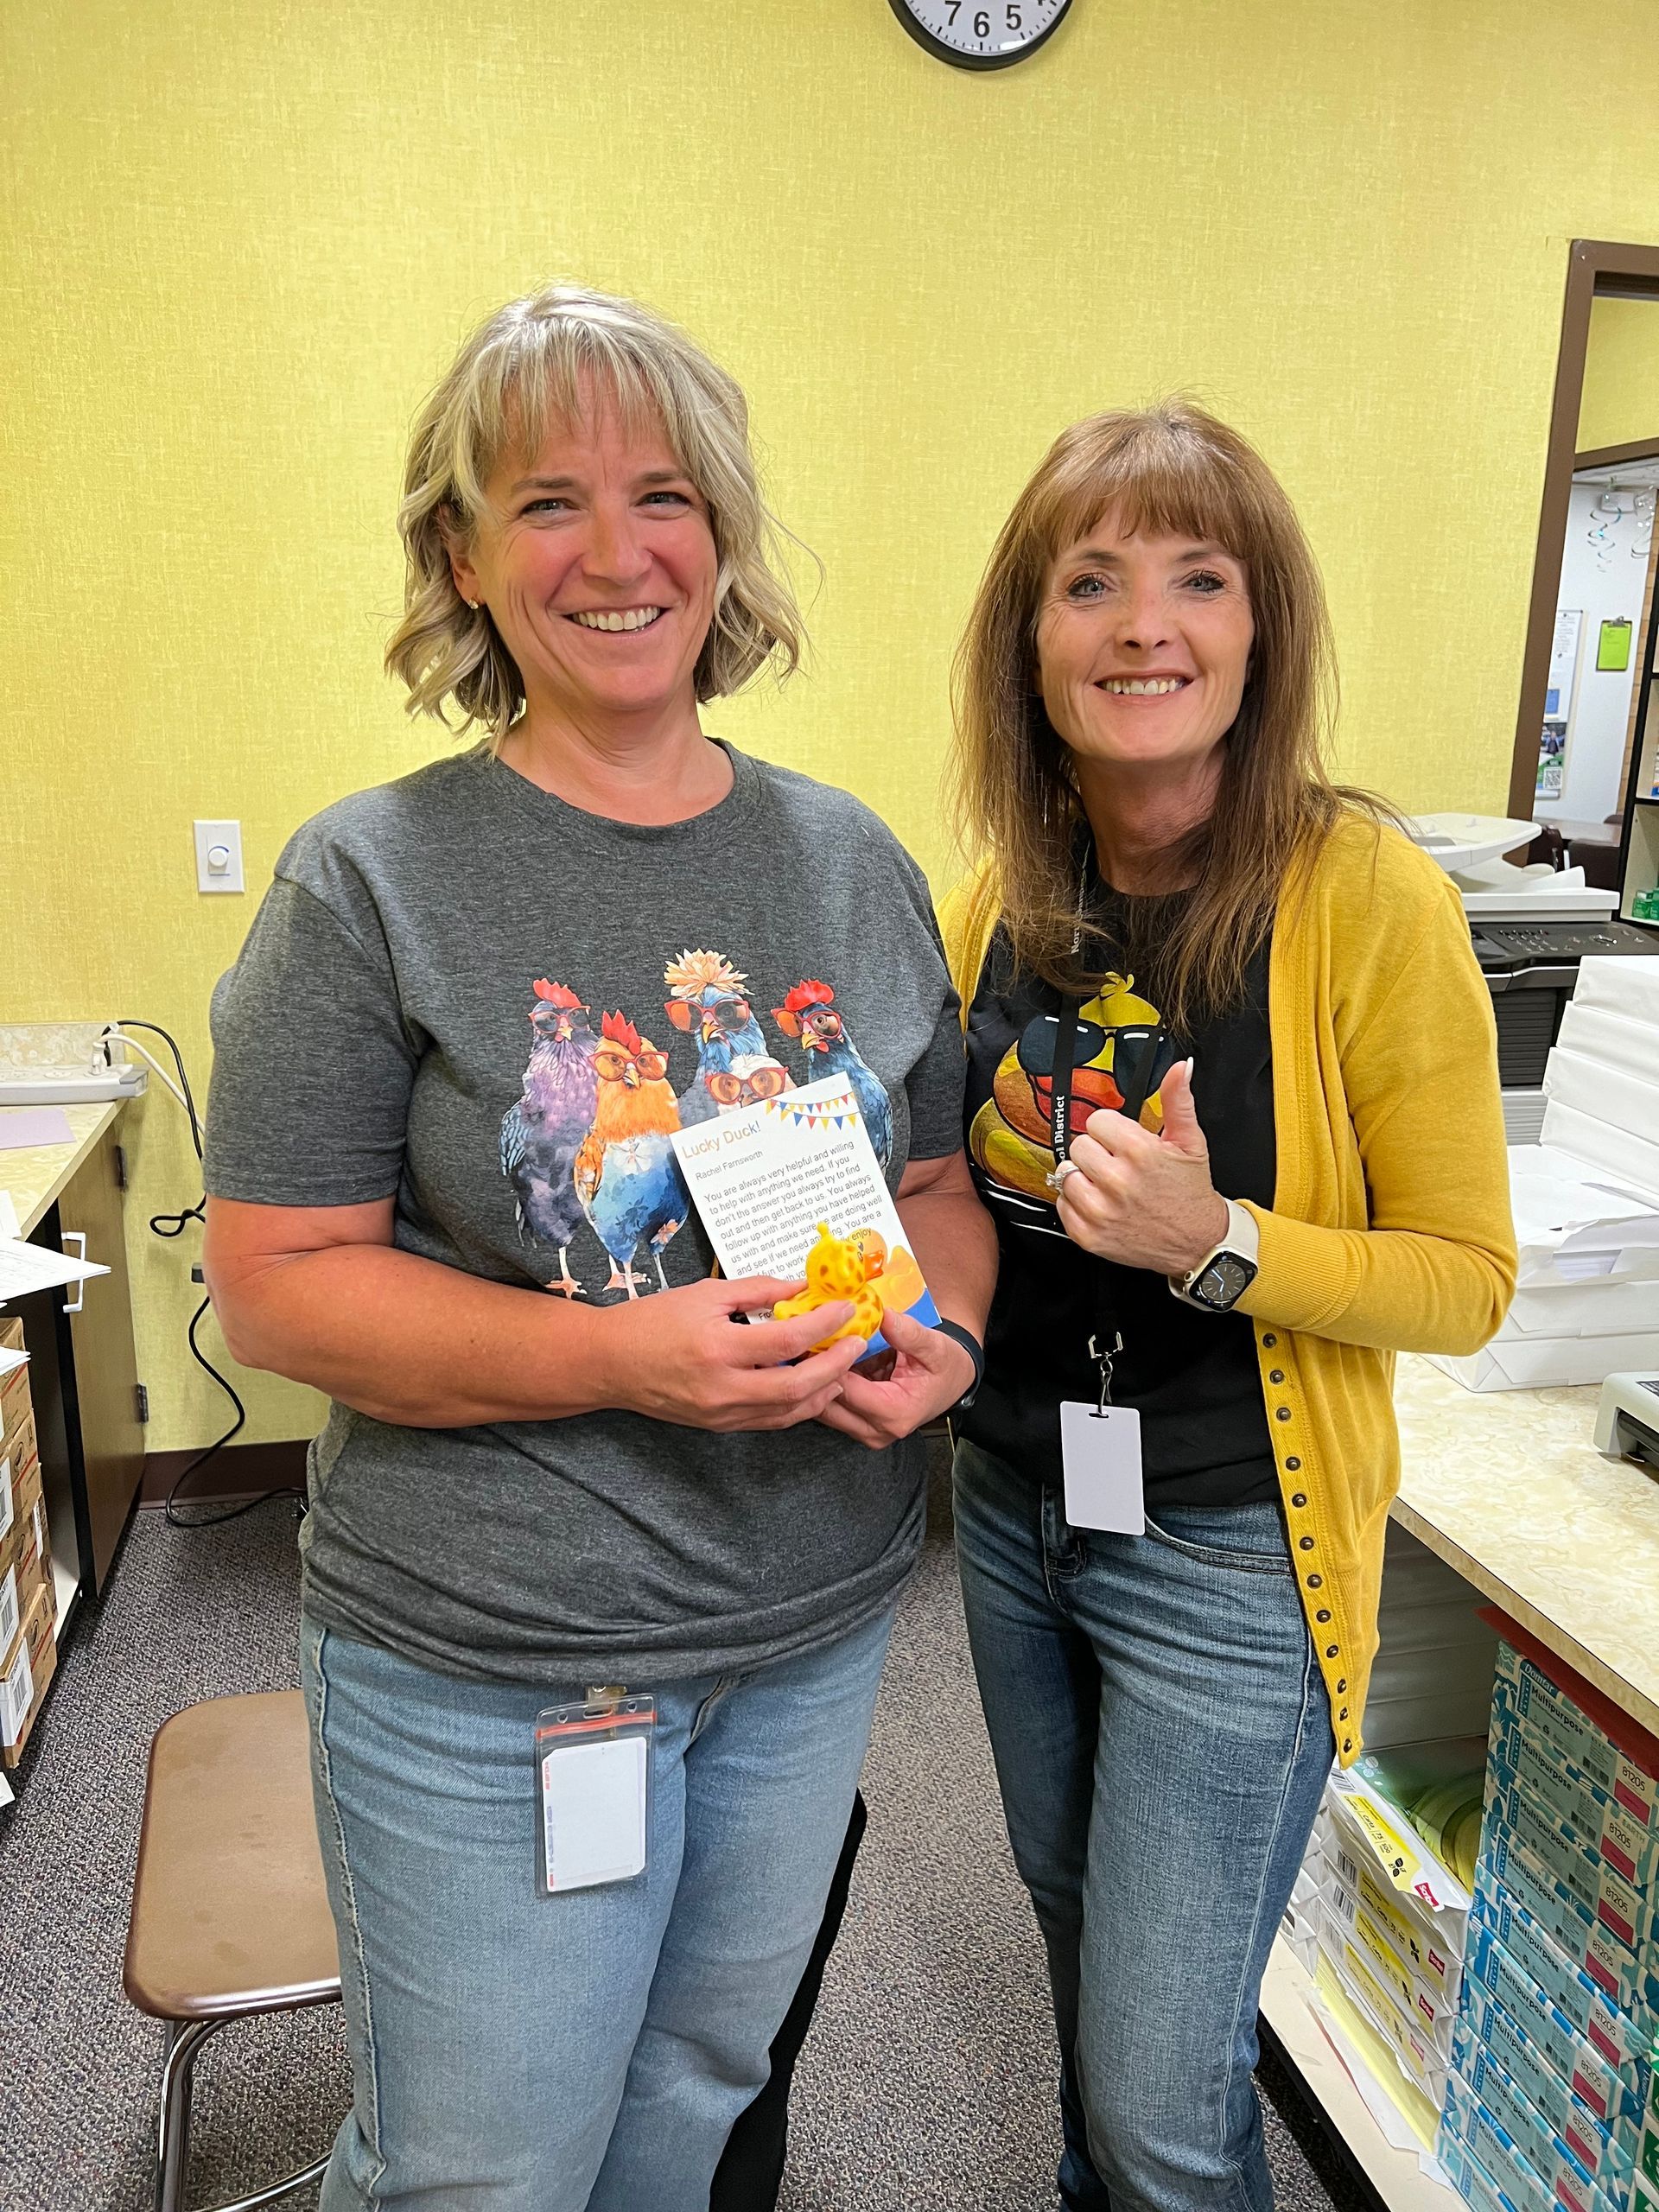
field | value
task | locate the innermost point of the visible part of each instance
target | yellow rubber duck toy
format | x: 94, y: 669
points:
x: 837, y: 1268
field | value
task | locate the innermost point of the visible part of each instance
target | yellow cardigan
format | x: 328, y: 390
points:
x: 1389, y: 1230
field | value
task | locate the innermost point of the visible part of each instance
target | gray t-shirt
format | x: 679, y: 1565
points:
x: 462, y: 991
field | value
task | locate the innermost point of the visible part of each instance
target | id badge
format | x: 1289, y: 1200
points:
x: 592, y: 1791
x: 1100, y: 1452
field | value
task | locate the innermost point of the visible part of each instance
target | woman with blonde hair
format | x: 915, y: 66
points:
x: 1233, y: 1102
x: 556, y: 1480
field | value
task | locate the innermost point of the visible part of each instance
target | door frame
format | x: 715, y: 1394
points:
x: 1596, y: 267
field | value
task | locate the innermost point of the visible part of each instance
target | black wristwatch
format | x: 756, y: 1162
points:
x: 976, y: 1351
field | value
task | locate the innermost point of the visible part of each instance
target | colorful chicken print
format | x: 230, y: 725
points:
x: 542, y: 1134
x: 707, y: 1001
x: 808, y: 1012
x: 626, y: 1175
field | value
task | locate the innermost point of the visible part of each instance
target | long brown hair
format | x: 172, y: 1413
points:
x: 1171, y: 470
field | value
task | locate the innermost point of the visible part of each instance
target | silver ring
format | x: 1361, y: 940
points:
x: 1066, y: 1167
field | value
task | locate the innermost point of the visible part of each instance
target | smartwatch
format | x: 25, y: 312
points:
x: 976, y: 1351
x: 1226, y: 1270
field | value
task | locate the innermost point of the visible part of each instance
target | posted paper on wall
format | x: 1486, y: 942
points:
x: 764, y: 1178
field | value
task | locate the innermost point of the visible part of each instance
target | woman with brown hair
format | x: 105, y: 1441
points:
x: 1233, y: 1101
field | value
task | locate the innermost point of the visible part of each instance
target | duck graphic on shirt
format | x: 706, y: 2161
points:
x: 1011, y: 1140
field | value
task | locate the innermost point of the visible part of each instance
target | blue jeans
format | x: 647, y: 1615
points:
x: 1161, y: 1738
x: 513, y: 2052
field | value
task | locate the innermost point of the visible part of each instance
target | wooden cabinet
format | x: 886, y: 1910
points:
x: 106, y: 1366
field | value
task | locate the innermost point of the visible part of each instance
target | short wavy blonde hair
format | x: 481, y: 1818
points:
x: 533, y: 365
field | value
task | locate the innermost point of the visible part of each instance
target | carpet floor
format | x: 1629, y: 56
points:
x: 927, y: 2080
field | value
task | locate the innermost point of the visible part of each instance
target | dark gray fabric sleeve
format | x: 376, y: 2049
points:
x: 935, y: 1085
x: 308, y: 1103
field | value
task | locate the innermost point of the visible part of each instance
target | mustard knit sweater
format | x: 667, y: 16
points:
x: 1389, y: 1230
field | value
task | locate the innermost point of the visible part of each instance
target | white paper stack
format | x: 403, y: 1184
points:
x: 1587, y: 1197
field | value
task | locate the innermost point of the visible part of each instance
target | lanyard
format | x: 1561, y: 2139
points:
x: 1151, y: 1042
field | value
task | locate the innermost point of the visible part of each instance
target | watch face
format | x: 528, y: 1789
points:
x: 1224, y: 1281
x: 980, y: 34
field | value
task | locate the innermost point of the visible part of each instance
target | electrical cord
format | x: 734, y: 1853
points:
x: 170, y: 1225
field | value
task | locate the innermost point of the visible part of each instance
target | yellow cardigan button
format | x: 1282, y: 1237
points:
x: 1277, y: 1376
x: 1282, y: 1412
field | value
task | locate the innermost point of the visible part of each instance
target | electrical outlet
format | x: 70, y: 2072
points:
x: 219, y: 856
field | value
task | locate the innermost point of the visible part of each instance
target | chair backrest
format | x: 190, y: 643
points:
x: 230, y: 1911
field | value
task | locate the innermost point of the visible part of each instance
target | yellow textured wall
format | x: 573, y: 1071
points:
x: 1621, y: 375
x: 236, y: 243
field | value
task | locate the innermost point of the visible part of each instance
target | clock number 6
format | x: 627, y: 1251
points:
x: 982, y: 25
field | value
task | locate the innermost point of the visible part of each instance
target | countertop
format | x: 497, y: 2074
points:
x: 1509, y: 1489
x: 36, y: 1173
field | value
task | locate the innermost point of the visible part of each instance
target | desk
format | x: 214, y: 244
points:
x: 1507, y: 1489
x: 83, y: 1371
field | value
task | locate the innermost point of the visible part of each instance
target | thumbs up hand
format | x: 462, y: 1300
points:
x: 1142, y: 1198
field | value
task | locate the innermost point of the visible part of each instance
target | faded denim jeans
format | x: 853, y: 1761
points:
x: 586, y: 2052
x: 1162, y: 1737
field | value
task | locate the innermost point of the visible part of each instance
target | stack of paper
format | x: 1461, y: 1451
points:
x: 1587, y: 1197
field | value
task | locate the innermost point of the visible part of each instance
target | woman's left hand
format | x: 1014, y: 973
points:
x: 1145, y: 1200
x: 928, y: 1374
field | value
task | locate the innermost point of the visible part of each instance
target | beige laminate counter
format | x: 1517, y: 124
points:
x: 35, y: 1174
x: 1509, y: 1489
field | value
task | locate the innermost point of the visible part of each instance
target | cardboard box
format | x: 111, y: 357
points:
x: 15, y: 1404
x: 1550, y: 1709
x: 25, y: 1673
x: 1529, y: 1762
x: 1470, y: 2179
x: 1467, y: 2119
x: 1607, y: 2184
x: 1574, y: 1864
x: 1613, y: 2091
x: 1624, y: 2040
x: 1606, y: 2149
x: 1508, y: 1871
x: 19, y: 1541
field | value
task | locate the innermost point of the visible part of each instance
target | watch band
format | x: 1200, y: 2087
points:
x: 974, y: 1350
x: 1243, y: 1241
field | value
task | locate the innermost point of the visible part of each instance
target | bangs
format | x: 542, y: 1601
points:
x: 550, y: 377
x: 1155, y: 478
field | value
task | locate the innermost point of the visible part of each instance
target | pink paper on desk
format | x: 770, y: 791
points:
x: 22, y: 1125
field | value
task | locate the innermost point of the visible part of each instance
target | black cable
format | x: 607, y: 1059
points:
x: 174, y: 1224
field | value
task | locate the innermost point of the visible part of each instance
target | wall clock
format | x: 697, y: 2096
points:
x: 980, y: 34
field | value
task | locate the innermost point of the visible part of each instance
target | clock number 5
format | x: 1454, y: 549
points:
x: 1015, y: 20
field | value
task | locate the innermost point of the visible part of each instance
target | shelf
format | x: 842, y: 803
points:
x: 1398, y: 2179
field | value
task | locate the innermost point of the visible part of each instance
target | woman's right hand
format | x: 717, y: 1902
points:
x: 682, y: 1355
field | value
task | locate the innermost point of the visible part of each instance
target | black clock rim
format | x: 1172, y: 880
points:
x: 940, y: 52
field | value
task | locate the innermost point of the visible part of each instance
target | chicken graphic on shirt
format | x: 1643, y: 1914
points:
x: 626, y: 1175
x: 706, y: 999
x: 1011, y: 1139
x: 542, y: 1133
x: 810, y: 1014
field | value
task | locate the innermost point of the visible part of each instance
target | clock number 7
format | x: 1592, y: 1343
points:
x: 955, y: 6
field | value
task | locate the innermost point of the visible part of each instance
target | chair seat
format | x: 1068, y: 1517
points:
x: 230, y: 1911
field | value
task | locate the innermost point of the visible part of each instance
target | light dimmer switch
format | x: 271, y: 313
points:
x: 219, y: 856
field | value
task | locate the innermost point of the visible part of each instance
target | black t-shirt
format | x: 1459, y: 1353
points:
x: 1193, y: 1376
